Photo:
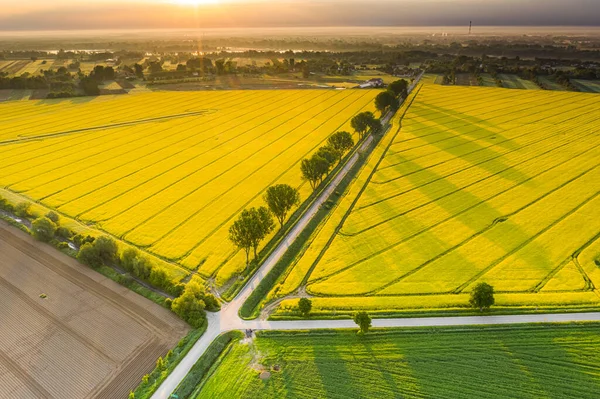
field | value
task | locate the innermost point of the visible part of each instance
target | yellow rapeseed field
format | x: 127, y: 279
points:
x: 478, y: 184
x: 169, y: 172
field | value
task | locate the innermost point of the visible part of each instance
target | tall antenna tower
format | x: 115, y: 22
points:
x: 470, y: 24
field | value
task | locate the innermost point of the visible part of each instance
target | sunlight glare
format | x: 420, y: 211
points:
x: 196, y: 2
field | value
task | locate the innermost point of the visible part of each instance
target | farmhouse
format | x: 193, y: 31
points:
x: 375, y: 82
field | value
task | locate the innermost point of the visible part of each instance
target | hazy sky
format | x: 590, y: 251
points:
x: 112, y: 14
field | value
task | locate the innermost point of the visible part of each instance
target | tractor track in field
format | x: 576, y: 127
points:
x: 104, y: 127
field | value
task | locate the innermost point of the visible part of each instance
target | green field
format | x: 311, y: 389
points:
x: 545, y: 361
x: 587, y: 86
x: 515, y: 82
x: 550, y: 84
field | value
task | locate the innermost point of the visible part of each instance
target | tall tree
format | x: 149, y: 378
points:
x: 330, y: 154
x: 398, y: 87
x: 139, y: 70
x: 252, y: 226
x: 280, y: 199
x: 482, y: 296
x: 375, y: 126
x: 362, y: 122
x: 385, y: 100
x: 363, y: 320
x: 263, y: 225
x: 342, y: 142
x: 241, y: 232
x: 313, y: 170
x: 305, y: 306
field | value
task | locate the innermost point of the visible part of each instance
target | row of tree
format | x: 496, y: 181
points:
x: 255, y: 224
x: 390, y: 99
x: 315, y: 168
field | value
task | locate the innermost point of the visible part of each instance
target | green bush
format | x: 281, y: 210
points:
x: 141, y: 267
x: 43, y: 229
x: 5, y: 205
x: 54, y: 217
x: 88, y: 254
x: 23, y: 210
x: 107, y: 249
x: 63, y: 232
x: 191, y: 304
x: 80, y: 239
x: 128, y: 258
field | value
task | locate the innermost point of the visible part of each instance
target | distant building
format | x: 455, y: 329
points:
x: 375, y: 82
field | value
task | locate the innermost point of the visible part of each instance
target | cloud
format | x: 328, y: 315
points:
x: 297, y: 13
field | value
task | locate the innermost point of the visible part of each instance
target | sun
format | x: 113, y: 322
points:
x: 196, y: 2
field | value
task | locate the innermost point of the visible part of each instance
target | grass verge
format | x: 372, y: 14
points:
x: 381, y: 314
x: 217, y: 350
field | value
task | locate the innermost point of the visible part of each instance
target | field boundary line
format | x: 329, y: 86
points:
x: 575, y: 258
x: 105, y: 127
x: 68, y: 143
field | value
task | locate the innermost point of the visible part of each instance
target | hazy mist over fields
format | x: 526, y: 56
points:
x: 138, y: 14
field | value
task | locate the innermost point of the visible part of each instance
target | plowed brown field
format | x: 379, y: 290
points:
x: 88, y: 338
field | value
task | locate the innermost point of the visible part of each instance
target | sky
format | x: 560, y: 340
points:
x: 148, y: 14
